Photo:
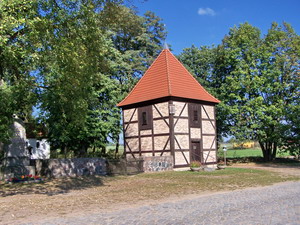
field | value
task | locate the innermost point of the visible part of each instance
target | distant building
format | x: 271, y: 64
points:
x: 36, y: 142
x: 247, y: 144
x: 38, y: 148
x: 168, y: 113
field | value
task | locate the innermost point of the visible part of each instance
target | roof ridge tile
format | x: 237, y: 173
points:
x: 168, y: 73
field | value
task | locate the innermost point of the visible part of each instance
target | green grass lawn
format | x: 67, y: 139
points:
x: 241, y: 153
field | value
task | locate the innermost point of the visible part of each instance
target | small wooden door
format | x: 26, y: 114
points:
x: 196, y: 154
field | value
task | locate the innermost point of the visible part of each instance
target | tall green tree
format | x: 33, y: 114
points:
x: 257, y: 80
x: 6, y: 111
x: 91, y: 57
x: 291, y: 131
x: 201, y: 63
x: 283, y: 46
x: 138, y: 40
x: 78, y: 58
x: 18, y: 24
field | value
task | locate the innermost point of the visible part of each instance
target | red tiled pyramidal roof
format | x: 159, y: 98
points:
x: 167, y: 77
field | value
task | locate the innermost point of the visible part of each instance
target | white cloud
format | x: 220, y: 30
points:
x: 206, y: 11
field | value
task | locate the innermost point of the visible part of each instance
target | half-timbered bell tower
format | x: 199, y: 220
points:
x: 169, y: 113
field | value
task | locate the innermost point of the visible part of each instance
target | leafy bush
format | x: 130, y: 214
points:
x: 195, y: 164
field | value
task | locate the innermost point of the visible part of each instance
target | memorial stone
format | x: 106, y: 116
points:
x: 16, y: 153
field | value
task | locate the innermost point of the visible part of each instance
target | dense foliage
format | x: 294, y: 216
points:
x: 74, y: 61
x: 17, y: 57
x: 257, y: 80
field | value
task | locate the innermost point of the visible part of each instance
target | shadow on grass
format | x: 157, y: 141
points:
x: 51, y: 186
x: 288, y: 162
x: 281, y: 163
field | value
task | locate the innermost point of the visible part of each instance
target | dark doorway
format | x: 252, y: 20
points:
x: 196, y: 154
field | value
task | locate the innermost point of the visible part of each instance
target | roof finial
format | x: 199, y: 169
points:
x: 166, y: 46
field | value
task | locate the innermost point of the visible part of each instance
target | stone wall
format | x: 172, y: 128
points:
x: 71, y: 167
x: 125, y: 167
x: 99, y: 166
x: 158, y: 163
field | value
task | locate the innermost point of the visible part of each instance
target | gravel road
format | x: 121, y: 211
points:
x: 277, y: 204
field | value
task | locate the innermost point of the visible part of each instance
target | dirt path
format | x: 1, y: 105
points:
x: 278, y: 168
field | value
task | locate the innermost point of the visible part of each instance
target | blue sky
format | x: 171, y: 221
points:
x: 204, y: 22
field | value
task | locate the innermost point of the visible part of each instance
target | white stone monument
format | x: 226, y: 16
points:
x: 17, y: 160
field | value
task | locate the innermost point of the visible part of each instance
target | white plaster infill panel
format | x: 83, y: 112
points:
x: 209, y: 142
x: 163, y: 153
x: 187, y: 155
x: 132, y: 130
x: 195, y: 133
x: 178, y: 108
x: 160, y: 142
x: 160, y: 127
x: 183, y: 141
x: 209, y: 156
x: 145, y: 132
x: 147, y: 154
x: 179, y: 158
x: 208, y: 127
x: 209, y: 111
x: 133, y: 144
x: 128, y: 113
x: 146, y: 144
x: 163, y: 108
x: 182, y: 126
x: 176, y: 146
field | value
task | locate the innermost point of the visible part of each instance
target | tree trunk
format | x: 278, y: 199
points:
x: 103, y: 150
x: 94, y: 151
x: 81, y: 151
x: 269, y: 150
x: 65, y: 152
x: 117, y: 147
x: 124, y: 151
x: 274, y: 151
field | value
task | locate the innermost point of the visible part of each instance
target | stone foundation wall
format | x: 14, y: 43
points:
x: 71, y: 167
x: 158, y: 163
x: 99, y: 166
x: 125, y: 167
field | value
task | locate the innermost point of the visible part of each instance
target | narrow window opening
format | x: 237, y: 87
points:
x: 144, y: 118
x: 195, y: 115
